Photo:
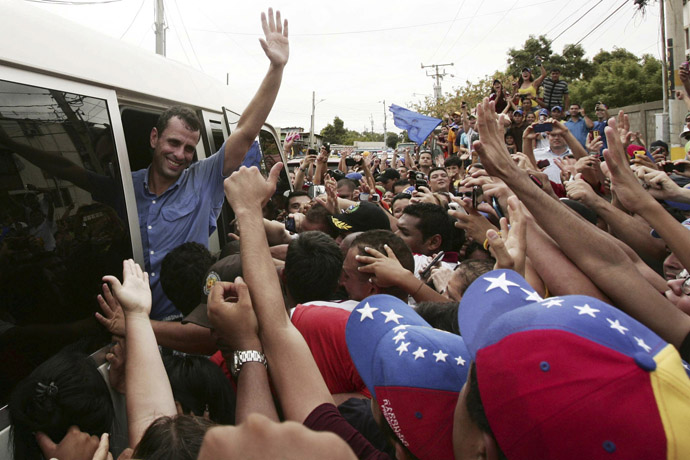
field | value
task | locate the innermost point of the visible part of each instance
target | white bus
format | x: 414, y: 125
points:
x: 86, y: 101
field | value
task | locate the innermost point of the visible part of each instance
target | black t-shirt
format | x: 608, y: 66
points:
x: 684, y: 349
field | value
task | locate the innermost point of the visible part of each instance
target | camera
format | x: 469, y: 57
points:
x: 290, y: 225
x: 543, y: 127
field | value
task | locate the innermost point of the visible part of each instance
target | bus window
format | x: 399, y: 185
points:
x: 63, y: 224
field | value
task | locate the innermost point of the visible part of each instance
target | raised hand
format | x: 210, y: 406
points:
x: 234, y: 320
x: 134, y: 294
x: 385, y: 269
x: 247, y: 188
x: 275, y: 45
x: 75, y: 446
x: 113, y: 318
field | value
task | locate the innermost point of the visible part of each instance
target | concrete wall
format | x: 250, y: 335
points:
x: 642, y: 118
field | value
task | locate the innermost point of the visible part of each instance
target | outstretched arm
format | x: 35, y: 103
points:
x: 296, y: 378
x: 276, y: 47
x: 599, y: 258
x: 147, y: 389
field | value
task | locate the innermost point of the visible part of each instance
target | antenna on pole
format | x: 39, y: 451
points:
x: 438, y: 76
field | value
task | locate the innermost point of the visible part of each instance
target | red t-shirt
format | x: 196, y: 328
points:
x: 322, y: 324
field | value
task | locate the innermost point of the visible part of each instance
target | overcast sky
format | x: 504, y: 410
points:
x: 355, y: 54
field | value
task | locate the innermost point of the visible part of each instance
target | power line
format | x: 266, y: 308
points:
x: 184, y: 27
x: 576, y: 21
x: 475, y: 45
x: 598, y: 25
x: 567, y: 16
x: 463, y: 30
x: 133, y: 19
x: 447, y: 31
x: 72, y: 2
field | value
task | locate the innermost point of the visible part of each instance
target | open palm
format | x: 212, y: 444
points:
x: 276, y: 45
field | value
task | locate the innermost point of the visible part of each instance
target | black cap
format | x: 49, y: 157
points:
x: 388, y: 174
x: 361, y: 217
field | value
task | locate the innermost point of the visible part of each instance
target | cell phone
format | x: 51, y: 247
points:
x: 670, y: 167
x: 349, y: 162
x: 375, y: 198
x: 316, y: 190
x: 425, y: 273
x: 477, y: 193
x: 363, y: 197
x: 290, y: 225
x: 543, y: 127
x: 456, y: 207
x: 685, y: 65
x: 537, y: 61
x: 421, y: 183
x: 541, y: 164
x: 497, y: 207
x: 536, y: 180
x: 312, y: 152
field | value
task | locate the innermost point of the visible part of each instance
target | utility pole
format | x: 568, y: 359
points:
x: 664, y: 71
x: 159, y: 15
x: 384, y: 121
x: 371, y: 118
x: 311, y: 129
x: 438, y: 76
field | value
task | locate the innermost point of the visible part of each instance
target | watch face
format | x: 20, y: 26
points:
x: 234, y: 364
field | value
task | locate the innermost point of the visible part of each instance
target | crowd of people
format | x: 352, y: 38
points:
x: 523, y: 295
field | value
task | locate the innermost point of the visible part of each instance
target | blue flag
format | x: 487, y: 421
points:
x: 418, y: 126
x: 253, y: 156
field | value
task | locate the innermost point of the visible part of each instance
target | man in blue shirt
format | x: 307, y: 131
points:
x: 579, y: 124
x: 178, y: 201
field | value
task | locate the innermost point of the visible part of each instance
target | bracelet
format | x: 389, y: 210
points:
x: 486, y: 242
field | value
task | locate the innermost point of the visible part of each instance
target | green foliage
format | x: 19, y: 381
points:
x: 336, y: 133
x: 619, y: 78
x: 392, y: 140
x: 572, y: 62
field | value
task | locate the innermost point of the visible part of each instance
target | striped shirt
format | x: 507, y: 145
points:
x: 554, y: 92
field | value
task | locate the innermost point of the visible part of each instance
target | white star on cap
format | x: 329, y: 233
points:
x: 500, y: 282
x: 401, y: 336
x: 460, y: 361
x: 586, y: 310
x: 402, y: 348
x: 617, y: 326
x: 553, y: 302
x: 399, y: 328
x: 419, y: 353
x: 366, y: 312
x: 532, y: 295
x: 391, y: 316
x: 643, y: 345
x: 440, y: 356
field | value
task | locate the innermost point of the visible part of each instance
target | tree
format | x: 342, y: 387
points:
x: 572, y: 63
x: 392, y: 140
x: 619, y: 78
x: 334, y: 133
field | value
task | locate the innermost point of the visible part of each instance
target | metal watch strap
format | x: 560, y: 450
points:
x: 247, y: 356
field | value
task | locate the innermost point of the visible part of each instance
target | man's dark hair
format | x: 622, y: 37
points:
x: 63, y: 391
x: 440, y: 315
x: 199, y: 386
x: 295, y: 193
x: 318, y: 214
x: 475, y: 407
x: 656, y: 144
x: 349, y: 183
x: 182, y: 274
x: 437, y: 168
x: 472, y: 269
x: 176, y: 438
x: 433, y: 219
x: 312, y: 267
x: 453, y: 160
x: 188, y: 116
x: 555, y: 69
x: 400, y: 196
x: 377, y: 239
x: 401, y: 183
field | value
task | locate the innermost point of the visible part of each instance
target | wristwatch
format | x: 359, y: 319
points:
x: 245, y: 356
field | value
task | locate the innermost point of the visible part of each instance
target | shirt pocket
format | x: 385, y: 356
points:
x: 180, y: 208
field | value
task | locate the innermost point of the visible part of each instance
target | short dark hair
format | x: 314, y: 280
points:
x: 293, y: 194
x: 187, y: 115
x: 312, y: 267
x: 437, y: 168
x: 377, y: 239
x: 401, y: 183
x: 65, y: 390
x: 659, y: 143
x: 433, y: 220
x: 318, y: 214
x: 198, y: 384
x: 453, y: 160
x: 349, y: 183
x: 182, y: 274
x: 472, y: 269
x: 400, y: 196
x: 176, y: 438
x: 440, y: 315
